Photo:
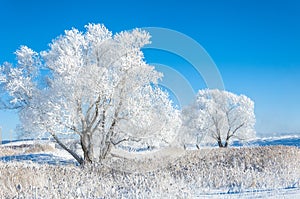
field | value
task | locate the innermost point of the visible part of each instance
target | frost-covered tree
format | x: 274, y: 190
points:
x: 219, y: 116
x: 93, y: 86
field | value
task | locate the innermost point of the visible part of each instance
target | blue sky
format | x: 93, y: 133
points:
x: 255, y: 44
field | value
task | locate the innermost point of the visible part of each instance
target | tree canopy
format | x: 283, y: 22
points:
x: 219, y: 116
x: 93, y: 86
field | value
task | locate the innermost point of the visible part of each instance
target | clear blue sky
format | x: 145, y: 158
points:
x: 255, y: 44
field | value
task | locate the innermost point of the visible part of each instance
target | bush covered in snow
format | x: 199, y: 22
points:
x: 190, y: 174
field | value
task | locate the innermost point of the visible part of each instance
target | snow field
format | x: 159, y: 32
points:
x: 202, y: 173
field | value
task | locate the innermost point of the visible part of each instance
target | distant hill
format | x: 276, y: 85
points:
x: 273, y: 141
x: 268, y: 141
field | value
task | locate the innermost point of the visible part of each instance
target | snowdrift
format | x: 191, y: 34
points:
x: 190, y: 175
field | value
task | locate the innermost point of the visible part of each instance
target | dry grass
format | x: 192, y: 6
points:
x: 37, y: 148
x: 6, y: 151
x: 184, y: 176
x: 25, y: 149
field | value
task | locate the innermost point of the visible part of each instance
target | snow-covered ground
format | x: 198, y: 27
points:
x: 48, y: 153
x: 38, y: 151
x: 293, y: 193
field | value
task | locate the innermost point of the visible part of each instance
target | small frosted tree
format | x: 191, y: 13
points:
x: 219, y: 117
x: 93, y: 86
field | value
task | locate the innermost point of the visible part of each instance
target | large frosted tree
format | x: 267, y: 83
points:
x: 91, y: 85
x: 219, y: 117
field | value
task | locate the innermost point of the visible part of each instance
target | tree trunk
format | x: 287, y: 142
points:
x: 220, y: 143
x: 227, y: 141
x: 95, y: 149
x: 226, y: 144
x: 75, y: 155
x: 85, y: 144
